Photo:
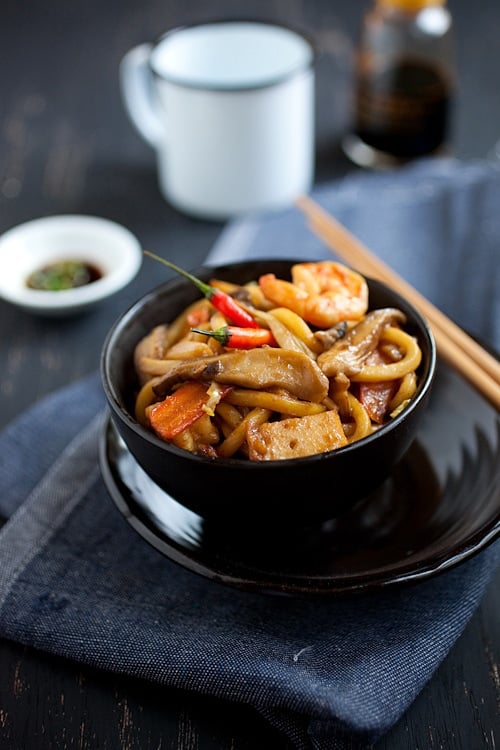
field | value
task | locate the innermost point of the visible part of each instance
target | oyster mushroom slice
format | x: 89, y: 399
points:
x: 262, y: 368
x: 348, y: 354
x: 152, y: 346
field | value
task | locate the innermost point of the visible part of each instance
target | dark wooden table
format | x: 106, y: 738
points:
x: 67, y: 147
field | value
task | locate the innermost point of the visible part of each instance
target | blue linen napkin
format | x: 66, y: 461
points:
x: 435, y: 222
x: 77, y: 581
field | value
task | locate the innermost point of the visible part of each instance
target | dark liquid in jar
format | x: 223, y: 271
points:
x: 65, y: 274
x: 403, y: 110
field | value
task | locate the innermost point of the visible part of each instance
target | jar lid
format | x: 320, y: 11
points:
x: 411, y: 5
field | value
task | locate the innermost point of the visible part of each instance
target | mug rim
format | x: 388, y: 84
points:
x: 275, y: 80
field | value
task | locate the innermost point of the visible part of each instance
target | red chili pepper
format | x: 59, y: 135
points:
x: 222, y: 301
x: 240, y: 338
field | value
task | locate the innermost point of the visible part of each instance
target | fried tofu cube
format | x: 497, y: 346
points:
x: 296, y: 436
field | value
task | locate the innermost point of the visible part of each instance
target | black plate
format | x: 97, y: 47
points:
x: 440, y: 506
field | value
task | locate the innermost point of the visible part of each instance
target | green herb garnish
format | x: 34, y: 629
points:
x: 67, y: 274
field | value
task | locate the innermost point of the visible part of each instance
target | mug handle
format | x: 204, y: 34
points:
x: 137, y: 89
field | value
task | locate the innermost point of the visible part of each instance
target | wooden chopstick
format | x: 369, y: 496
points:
x: 458, y: 349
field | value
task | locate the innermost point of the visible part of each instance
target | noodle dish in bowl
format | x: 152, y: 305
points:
x: 270, y: 390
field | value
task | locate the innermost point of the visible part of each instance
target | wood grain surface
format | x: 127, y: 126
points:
x: 66, y: 146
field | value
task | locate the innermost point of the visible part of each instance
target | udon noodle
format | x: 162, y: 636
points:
x: 331, y: 373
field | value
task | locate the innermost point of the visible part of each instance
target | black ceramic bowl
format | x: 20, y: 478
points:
x: 300, y: 490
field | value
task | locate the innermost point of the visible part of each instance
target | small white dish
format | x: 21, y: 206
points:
x: 101, y: 243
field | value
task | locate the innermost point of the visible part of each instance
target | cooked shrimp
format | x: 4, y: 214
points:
x: 322, y: 293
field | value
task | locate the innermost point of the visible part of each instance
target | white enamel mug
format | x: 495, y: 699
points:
x: 229, y: 108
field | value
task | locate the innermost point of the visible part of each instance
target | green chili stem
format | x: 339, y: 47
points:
x: 222, y: 301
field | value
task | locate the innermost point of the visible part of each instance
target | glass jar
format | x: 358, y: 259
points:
x: 404, y: 83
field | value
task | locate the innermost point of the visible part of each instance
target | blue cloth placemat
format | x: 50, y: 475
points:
x: 77, y: 581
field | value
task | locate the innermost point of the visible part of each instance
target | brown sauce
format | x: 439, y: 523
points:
x: 403, y: 110
x: 64, y: 274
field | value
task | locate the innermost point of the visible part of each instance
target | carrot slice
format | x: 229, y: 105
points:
x: 198, y: 316
x: 180, y: 410
x: 376, y: 398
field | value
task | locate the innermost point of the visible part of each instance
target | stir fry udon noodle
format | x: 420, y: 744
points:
x: 276, y: 369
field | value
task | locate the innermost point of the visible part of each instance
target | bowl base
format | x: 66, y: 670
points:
x: 382, y: 530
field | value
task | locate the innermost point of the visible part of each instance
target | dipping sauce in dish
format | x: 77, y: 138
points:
x: 64, y: 274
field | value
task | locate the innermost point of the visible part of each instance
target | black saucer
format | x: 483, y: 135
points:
x: 439, y: 506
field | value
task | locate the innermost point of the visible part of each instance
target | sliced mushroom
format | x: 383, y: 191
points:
x: 262, y: 368
x: 329, y: 336
x: 152, y: 346
x: 349, y: 353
